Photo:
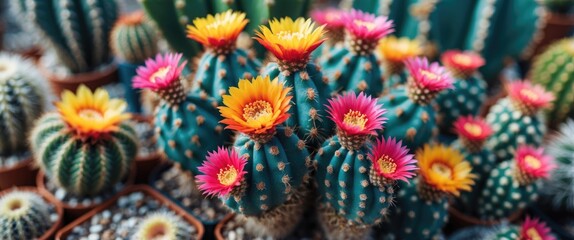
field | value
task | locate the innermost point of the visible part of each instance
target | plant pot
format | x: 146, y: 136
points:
x: 48, y: 198
x: 219, y: 227
x: 21, y: 174
x: 73, y: 212
x: 146, y: 164
x: 67, y: 230
x: 459, y: 220
x: 92, y: 80
x: 558, y: 26
x: 126, y: 72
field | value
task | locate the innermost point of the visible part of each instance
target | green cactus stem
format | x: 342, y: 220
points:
x: 23, y: 215
x: 133, y: 38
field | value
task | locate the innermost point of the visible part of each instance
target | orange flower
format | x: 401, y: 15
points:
x: 444, y: 169
x: 217, y: 31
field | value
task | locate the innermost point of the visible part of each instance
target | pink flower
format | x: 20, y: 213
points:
x: 223, y: 172
x: 391, y: 160
x: 356, y: 115
x: 534, y: 229
x: 429, y: 76
x: 533, y: 163
x: 472, y: 128
x: 530, y: 95
x: 463, y: 61
x: 366, y: 26
x: 332, y: 18
x: 159, y: 73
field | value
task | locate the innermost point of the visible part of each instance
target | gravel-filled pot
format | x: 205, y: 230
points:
x: 148, y: 158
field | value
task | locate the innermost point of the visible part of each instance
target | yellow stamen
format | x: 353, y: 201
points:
x: 462, y: 59
x: 473, y: 129
x: 533, y: 234
x: 532, y: 162
x: 355, y: 119
x: 288, y: 35
x: 531, y: 95
x: 257, y: 109
x: 90, y: 114
x: 369, y: 25
x: 387, y: 164
x: 158, y: 231
x: 430, y: 75
x: 227, y: 175
x: 442, y: 169
x: 160, y: 73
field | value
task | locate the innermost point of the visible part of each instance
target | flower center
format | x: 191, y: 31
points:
x: 91, y: 114
x: 531, y: 95
x: 330, y: 17
x: 256, y: 110
x: 289, y: 36
x: 15, y: 205
x: 442, y: 169
x: 533, y: 234
x: 430, y: 75
x: 160, y: 73
x: 355, y: 119
x: 387, y: 164
x: 473, y: 129
x: 462, y: 59
x: 532, y: 162
x: 227, y: 175
x: 157, y: 231
x: 369, y: 25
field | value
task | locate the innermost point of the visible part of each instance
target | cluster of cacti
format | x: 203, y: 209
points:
x: 554, y: 69
x: 79, y: 31
x: 161, y: 225
x: 516, y: 120
x: 413, y: 118
x: 23, y: 215
x: 187, y: 126
x: 513, y: 184
x: 530, y: 229
x: 468, y: 92
x: 22, y: 101
x: 223, y: 64
x: 88, y: 145
x: 394, y: 51
x: 559, y: 188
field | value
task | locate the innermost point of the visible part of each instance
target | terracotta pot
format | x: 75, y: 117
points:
x: 145, y: 165
x: 48, y: 198
x: 558, y: 26
x: 219, y: 226
x: 92, y: 80
x: 73, y: 212
x: 458, y: 219
x: 21, y: 174
x: 64, y: 232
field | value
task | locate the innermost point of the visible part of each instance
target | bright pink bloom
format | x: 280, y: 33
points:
x: 462, y: 61
x: 332, y: 18
x: 159, y: 73
x: 534, y: 229
x: 530, y: 95
x: 356, y: 115
x: 366, y: 26
x: 430, y: 76
x: 391, y: 160
x: 223, y: 171
x: 472, y: 128
x: 533, y: 162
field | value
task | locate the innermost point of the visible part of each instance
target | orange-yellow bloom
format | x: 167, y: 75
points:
x: 398, y: 49
x: 217, y: 31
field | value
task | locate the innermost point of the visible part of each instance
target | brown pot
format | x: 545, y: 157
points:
x: 458, y: 219
x: 21, y: 174
x: 48, y: 198
x: 64, y: 232
x: 219, y: 226
x: 145, y: 165
x: 73, y: 212
x: 92, y: 80
x: 558, y: 26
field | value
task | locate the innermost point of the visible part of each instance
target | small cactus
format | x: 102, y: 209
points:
x: 23, y: 216
x: 558, y: 189
x: 133, y: 38
x: 531, y: 229
x: 161, y: 225
x: 394, y: 51
x: 88, y: 146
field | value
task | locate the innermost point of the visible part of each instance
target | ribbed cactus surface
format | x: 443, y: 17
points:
x: 133, y: 39
x: 23, y: 216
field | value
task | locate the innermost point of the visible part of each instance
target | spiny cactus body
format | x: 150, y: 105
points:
x: 23, y: 216
x: 161, y: 225
x: 559, y: 190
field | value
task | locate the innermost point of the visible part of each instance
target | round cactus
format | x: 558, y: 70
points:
x: 532, y: 228
x: 22, y: 101
x: 133, y: 38
x: 558, y: 189
x: 161, y: 225
x: 89, y: 146
x: 23, y: 216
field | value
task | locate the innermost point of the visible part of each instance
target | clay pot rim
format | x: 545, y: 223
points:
x: 24, y: 163
x: 135, y: 188
x: 78, y: 78
x: 48, y: 198
x: 470, y: 220
x: 219, y: 226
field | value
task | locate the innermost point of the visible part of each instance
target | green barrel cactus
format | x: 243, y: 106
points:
x: 414, y: 115
x: 88, y: 146
x: 22, y: 101
x: 558, y: 190
x: 187, y: 126
x: 516, y: 119
x: 356, y: 67
x: 468, y: 93
x: 554, y: 69
x: 23, y: 216
x: 161, y: 225
x: 79, y: 31
x: 512, y: 185
x: 222, y: 65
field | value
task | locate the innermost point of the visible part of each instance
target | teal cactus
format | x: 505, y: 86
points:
x: 513, y: 184
x: 85, y: 149
x: 468, y: 93
x: 161, y: 225
x: 79, y: 31
x: 23, y: 215
x: 133, y: 39
x: 516, y: 119
x: 558, y: 190
x: 531, y: 228
x: 554, y: 69
x: 356, y: 67
x: 394, y: 51
x: 22, y: 101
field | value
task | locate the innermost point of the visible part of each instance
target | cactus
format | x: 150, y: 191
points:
x: 310, y: 91
x: 554, y: 70
x: 355, y: 194
x: 394, y: 51
x: 414, y: 117
x: 267, y: 183
x: 22, y: 101
x: 398, y: 11
x: 23, y: 215
x: 88, y: 146
x: 335, y: 29
x: 515, y: 119
x: 161, y: 225
x: 223, y: 64
x: 186, y: 125
x: 469, y: 90
x: 355, y: 67
x: 79, y: 31
x: 531, y: 229
x: 512, y: 185
x: 559, y: 190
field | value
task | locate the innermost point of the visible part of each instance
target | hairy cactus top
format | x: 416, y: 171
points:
x: 462, y: 64
x: 23, y: 215
x: 218, y: 32
x: 162, y: 75
x: 223, y: 173
x: 161, y: 225
x: 426, y: 80
x: 529, y: 98
x: 472, y: 131
x: 133, y: 38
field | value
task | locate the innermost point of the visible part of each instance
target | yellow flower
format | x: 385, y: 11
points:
x: 217, y: 31
x: 256, y: 106
x: 291, y: 41
x: 91, y: 114
x: 398, y: 49
x: 445, y: 169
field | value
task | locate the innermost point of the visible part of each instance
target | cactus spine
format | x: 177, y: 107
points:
x: 133, y: 38
x: 23, y: 215
x: 161, y: 225
x: 558, y: 190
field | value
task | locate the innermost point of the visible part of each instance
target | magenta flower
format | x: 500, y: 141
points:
x: 534, y: 229
x: 466, y: 62
x: 332, y: 18
x: 530, y: 95
x: 223, y: 172
x: 356, y: 115
x: 429, y: 76
x: 366, y: 26
x: 159, y: 73
x: 533, y: 163
x: 391, y: 161
x: 472, y: 128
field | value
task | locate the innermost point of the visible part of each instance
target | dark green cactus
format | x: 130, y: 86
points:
x: 164, y: 225
x: 133, y: 39
x: 558, y: 189
x: 22, y: 101
x: 23, y: 215
x: 79, y: 31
